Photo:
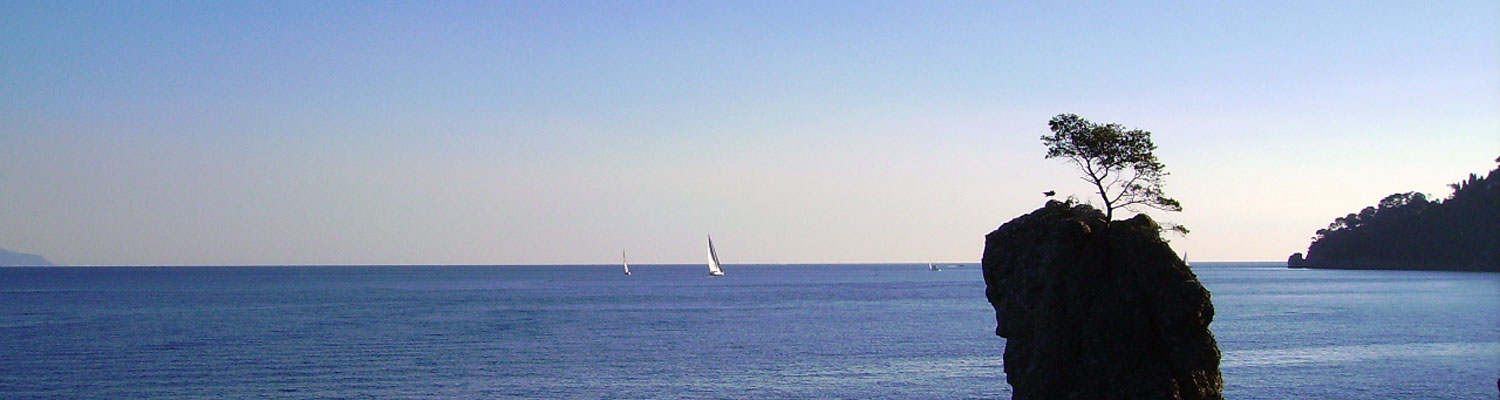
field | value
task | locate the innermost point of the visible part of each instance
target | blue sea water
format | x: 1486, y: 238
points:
x: 762, y: 332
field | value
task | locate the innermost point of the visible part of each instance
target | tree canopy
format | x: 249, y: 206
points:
x: 1410, y: 231
x: 1117, y: 161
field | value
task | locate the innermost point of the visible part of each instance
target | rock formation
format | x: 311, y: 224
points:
x: 1296, y: 261
x: 1096, y: 313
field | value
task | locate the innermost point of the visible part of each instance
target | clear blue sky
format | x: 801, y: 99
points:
x: 187, y: 133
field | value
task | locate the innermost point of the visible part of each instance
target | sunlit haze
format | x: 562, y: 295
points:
x: 211, y: 133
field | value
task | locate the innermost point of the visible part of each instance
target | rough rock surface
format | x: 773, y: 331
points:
x: 1090, y: 317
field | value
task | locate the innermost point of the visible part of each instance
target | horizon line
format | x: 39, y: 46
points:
x: 976, y: 263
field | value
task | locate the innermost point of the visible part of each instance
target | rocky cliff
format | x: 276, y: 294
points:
x: 1096, y: 313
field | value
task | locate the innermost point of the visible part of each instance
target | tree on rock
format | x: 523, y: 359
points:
x: 1119, y: 163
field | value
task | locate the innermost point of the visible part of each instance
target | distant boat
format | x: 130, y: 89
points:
x: 713, y: 259
x: 1185, y: 260
x: 625, y: 261
x: 933, y: 267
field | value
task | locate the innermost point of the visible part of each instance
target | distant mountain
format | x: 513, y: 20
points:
x: 1410, y: 231
x: 10, y: 258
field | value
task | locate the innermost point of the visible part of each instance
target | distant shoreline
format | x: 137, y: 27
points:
x: 632, y: 264
x: 1434, y: 269
x: 975, y: 265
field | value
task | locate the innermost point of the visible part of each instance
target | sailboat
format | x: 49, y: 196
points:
x: 625, y: 261
x: 713, y: 259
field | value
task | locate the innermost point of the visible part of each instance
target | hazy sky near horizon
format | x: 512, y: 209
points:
x: 520, y: 132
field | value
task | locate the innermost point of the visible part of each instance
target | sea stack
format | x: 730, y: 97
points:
x: 1090, y: 312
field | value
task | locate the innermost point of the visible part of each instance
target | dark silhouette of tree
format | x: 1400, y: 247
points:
x: 1119, y: 163
x: 1410, y: 231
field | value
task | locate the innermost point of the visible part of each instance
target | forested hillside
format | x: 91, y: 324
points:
x: 1411, y: 231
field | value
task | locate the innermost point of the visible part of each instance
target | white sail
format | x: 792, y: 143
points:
x: 713, y: 259
x: 625, y: 261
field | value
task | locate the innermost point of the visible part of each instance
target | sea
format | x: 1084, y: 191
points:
x: 848, y: 331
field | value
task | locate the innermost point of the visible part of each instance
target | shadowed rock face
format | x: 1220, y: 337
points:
x: 1087, y: 317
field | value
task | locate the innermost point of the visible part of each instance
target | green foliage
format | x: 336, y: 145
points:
x: 1119, y: 162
